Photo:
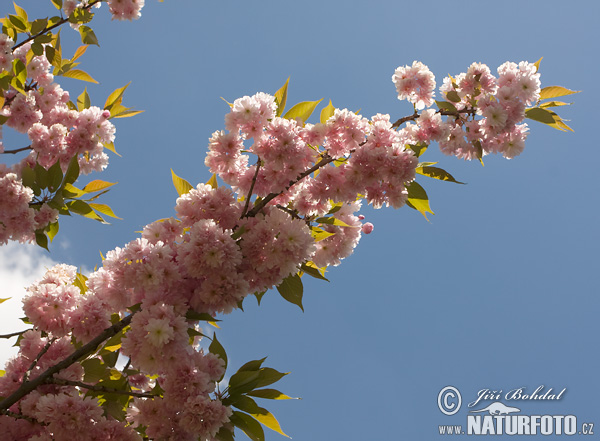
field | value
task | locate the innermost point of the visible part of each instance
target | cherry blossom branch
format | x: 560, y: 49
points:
x: 97, y: 388
x: 54, y: 26
x: 28, y: 386
x: 16, y: 150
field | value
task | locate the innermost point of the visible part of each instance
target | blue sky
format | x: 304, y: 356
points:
x: 498, y: 291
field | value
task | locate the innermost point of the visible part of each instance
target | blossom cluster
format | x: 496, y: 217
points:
x: 57, y: 134
x: 485, y: 113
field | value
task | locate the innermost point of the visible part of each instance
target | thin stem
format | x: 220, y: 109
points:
x: 14, y: 334
x: 54, y: 26
x: 97, y: 388
x: 16, y: 150
x: 19, y: 416
x: 84, y: 351
x: 263, y: 202
x: 37, y: 359
x: 251, y: 189
x: 416, y: 115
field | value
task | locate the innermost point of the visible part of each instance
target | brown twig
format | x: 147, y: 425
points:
x: 14, y: 334
x: 84, y: 351
x: 37, y: 359
x: 16, y: 150
x: 251, y: 189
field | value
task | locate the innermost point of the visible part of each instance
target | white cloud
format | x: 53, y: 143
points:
x: 20, y: 266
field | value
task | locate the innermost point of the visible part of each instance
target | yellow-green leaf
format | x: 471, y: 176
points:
x: 418, y: 199
x: 555, y: 91
x: 70, y: 191
x: 104, y: 209
x: 116, y: 97
x: 52, y: 230
x: 281, y: 98
x: 181, y: 185
x: 79, y: 75
x: 548, y: 117
x: 20, y: 12
x: 97, y: 185
x: 111, y: 146
x: 318, y: 234
x: 302, y: 110
x: 436, y: 173
x: 213, y: 181
x: 83, y: 100
x: 79, y: 52
x: 269, y: 394
x: 553, y: 104
x: 327, y: 112
x: 537, y: 64
x: 126, y: 113
x: 4, y: 300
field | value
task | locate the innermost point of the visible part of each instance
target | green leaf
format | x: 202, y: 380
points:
x: 181, y: 185
x: 79, y: 75
x: 555, y: 91
x: 72, y: 170
x: 104, y: 209
x: 28, y: 176
x: 547, y: 117
x: 242, y: 382
x: 20, y: 71
x: 94, y: 370
x: 83, y: 209
x: 38, y: 26
x: 445, y: 105
x: 83, y: 100
x: 262, y: 415
x: 248, y: 425
x: 97, y: 185
x: 270, y: 394
x: 302, y: 110
x: 224, y: 434
x: 268, y: 376
x: 37, y: 48
x: 41, y: 239
x: 57, y: 4
x: 453, y: 96
x: 55, y: 177
x: 327, y: 112
x: 80, y: 16
x: 20, y: 12
x: 199, y: 316
x: 213, y: 181
x: 291, y: 289
x: 52, y: 230
x: 419, y: 149
x: 281, y: 98
x: 253, y: 365
x: 41, y: 176
x: 418, y: 199
x: 87, y: 35
x: 18, y: 22
x: 218, y: 349
x: 436, y: 173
